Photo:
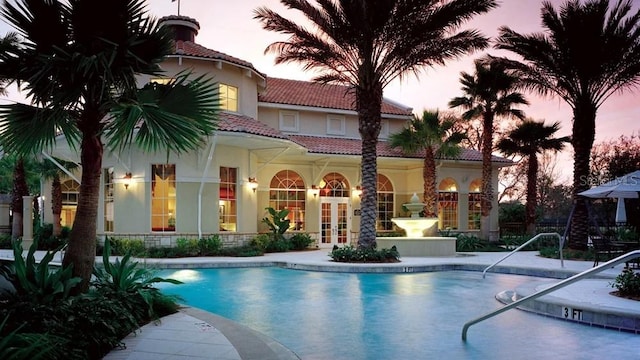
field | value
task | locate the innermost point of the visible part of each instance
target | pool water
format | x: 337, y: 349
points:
x: 325, y: 315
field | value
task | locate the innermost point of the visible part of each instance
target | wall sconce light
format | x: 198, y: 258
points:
x: 357, y: 191
x: 127, y: 180
x: 252, y: 184
x: 314, y: 191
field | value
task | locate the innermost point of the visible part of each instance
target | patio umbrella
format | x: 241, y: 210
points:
x: 621, y: 212
x: 627, y: 187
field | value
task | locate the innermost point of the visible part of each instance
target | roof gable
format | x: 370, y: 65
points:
x: 188, y: 48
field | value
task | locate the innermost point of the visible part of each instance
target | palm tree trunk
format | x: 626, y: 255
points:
x: 429, y: 183
x: 487, y: 188
x: 532, y: 194
x: 82, y: 239
x: 584, y: 125
x: 20, y: 189
x: 369, y: 105
x: 56, y: 204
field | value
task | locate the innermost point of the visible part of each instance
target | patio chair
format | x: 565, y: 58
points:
x: 604, y: 248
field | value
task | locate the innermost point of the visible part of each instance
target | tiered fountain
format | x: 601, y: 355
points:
x: 420, y: 239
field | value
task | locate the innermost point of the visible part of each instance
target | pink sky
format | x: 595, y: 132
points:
x: 229, y: 27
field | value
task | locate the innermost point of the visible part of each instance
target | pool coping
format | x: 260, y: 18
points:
x: 608, y: 316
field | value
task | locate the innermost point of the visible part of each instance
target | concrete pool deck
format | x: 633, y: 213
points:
x: 195, y: 334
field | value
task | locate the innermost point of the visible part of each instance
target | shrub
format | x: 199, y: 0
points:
x: 301, y: 241
x: 43, y: 234
x: 123, y: 246
x: 628, y: 283
x: 210, y: 246
x: 16, y: 345
x: 468, y: 243
x: 187, y: 247
x: 278, y: 244
x: 278, y: 224
x: 5, y: 241
x: 260, y: 242
x: 242, y: 251
x: 38, y: 282
x: 350, y: 254
x: 158, y: 252
x: 132, y: 284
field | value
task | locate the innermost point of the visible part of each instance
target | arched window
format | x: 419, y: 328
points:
x: 385, y: 203
x: 448, y: 204
x: 70, y: 190
x: 474, y: 204
x: 334, y: 185
x: 287, y: 191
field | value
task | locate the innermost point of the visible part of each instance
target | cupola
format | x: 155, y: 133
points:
x: 184, y: 28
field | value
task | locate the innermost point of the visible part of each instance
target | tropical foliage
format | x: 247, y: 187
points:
x: 488, y: 93
x: 78, y: 63
x: 587, y: 52
x: 350, y: 254
x: 436, y: 138
x: 528, y: 140
x: 41, y: 319
x: 366, y: 44
x: 278, y: 223
x: 7, y: 164
x: 34, y: 280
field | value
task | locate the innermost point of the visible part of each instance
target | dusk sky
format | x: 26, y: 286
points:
x: 229, y: 27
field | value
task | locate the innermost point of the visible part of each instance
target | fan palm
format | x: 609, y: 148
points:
x: 489, y: 93
x: 78, y: 62
x: 433, y: 136
x: 586, y: 53
x: 366, y: 44
x: 527, y: 140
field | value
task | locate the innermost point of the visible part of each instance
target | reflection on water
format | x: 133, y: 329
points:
x: 323, y: 315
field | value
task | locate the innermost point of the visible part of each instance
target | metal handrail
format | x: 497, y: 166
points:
x: 560, y: 246
x: 611, y: 263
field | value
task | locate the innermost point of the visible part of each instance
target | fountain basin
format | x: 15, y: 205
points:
x: 431, y: 246
x: 416, y: 227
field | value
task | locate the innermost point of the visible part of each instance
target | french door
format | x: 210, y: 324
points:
x: 334, y: 221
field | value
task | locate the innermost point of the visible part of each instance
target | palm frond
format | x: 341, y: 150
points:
x: 27, y: 129
x: 176, y: 116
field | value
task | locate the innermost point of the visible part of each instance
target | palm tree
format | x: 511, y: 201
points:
x: 433, y: 136
x: 20, y: 189
x: 587, y: 53
x: 366, y: 44
x: 489, y: 93
x: 78, y: 62
x: 51, y: 171
x: 527, y: 140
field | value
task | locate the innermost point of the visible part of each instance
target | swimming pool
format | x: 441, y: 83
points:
x: 323, y: 315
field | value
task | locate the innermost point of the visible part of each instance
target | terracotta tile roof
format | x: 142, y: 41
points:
x: 244, y: 124
x: 338, y: 146
x: 233, y: 122
x: 306, y: 93
x: 189, y: 48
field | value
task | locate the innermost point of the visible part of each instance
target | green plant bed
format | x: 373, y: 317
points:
x: 350, y: 254
x: 568, y: 254
x: 41, y: 319
x: 628, y: 284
